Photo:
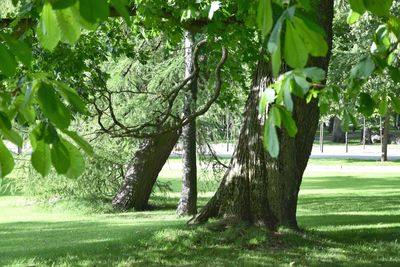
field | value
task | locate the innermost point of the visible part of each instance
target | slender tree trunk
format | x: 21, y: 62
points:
x: 256, y: 188
x: 143, y: 171
x: 331, y: 122
x: 188, y: 202
x: 338, y: 136
x: 385, y: 138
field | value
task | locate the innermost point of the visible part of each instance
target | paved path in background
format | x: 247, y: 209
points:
x: 371, y: 152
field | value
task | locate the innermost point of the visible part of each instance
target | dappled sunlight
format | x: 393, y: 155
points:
x: 351, y: 219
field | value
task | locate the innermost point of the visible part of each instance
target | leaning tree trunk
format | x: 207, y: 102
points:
x: 338, y: 136
x: 256, y: 188
x: 143, y: 171
x: 188, y: 202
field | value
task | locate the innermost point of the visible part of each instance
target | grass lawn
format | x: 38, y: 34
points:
x: 348, y: 220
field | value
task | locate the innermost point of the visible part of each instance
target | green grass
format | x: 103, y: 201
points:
x: 352, y: 162
x: 349, y: 220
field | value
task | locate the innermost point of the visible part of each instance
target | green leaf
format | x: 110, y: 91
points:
x: 41, y: 159
x: 50, y: 135
x: 19, y: 48
x: 6, y: 160
x: 353, y: 17
x: 288, y: 122
x: 61, y: 4
x: 77, y: 166
x: 358, y: 6
x: 302, y: 83
x: 366, y: 104
x: 271, y: 142
x: 270, y: 95
x: 12, y: 136
x: 120, y: 6
x: 264, y: 17
x: 94, y: 11
x: 396, y: 104
x: 8, y: 64
x: 48, y: 30
x: 82, y: 143
x: 383, y: 106
x: 287, y: 97
x: 5, y: 122
x: 72, y: 97
x: 276, y: 116
x: 313, y: 40
x: 296, y: 54
x: 394, y: 74
x: 52, y: 107
x: 69, y: 26
x: 363, y: 69
x: 274, y: 47
x: 314, y: 73
x: 60, y: 157
x: 378, y: 7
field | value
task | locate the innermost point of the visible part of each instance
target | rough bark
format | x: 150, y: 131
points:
x: 338, y: 136
x: 188, y: 202
x: 256, y: 188
x: 143, y: 171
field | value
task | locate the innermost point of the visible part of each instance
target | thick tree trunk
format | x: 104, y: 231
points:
x: 143, y: 171
x: 256, y: 188
x: 338, y: 136
x: 188, y: 202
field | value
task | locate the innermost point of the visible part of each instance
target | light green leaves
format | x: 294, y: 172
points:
x: 48, y: 29
x: 6, y: 160
x: 264, y: 17
x: 60, y: 157
x: 377, y: 7
x: 296, y: 54
x: 51, y: 149
x: 363, y: 69
x: 82, y: 143
x: 41, y: 158
x: 69, y: 26
x: 396, y: 103
x: 313, y: 39
x: 77, y: 166
x: 271, y: 142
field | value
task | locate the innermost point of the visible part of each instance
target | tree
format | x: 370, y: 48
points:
x: 258, y: 188
x: 188, y: 202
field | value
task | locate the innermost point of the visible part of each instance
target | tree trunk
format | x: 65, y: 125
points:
x: 330, y: 126
x: 188, y: 202
x: 143, y: 171
x: 338, y: 136
x: 385, y: 138
x: 256, y: 188
x: 368, y: 134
